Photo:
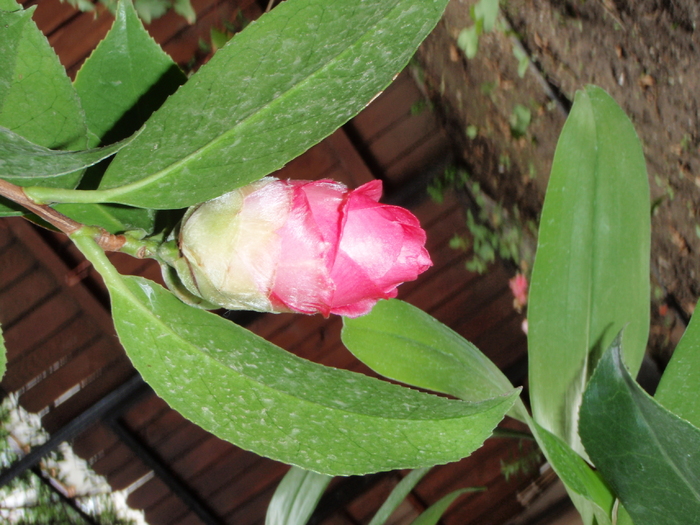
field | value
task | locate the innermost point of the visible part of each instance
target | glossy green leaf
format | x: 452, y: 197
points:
x: 277, y: 88
x: 432, y: 514
x: 591, y: 271
x: 588, y: 491
x: 679, y: 389
x: 261, y: 398
x: 37, y: 99
x: 21, y: 160
x: 623, y: 518
x: 401, y: 342
x: 296, y: 497
x: 125, y: 79
x: 649, y: 456
x: 398, y: 494
x: 9, y: 5
x: 115, y: 218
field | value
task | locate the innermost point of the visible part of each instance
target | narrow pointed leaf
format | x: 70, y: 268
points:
x: 125, y: 79
x: 23, y: 161
x: 37, y: 99
x: 296, y: 497
x: 679, y: 389
x: 398, y: 494
x: 277, y: 88
x: 648, y: 455
x: 591, y: 272
x: 401, y: 342
x: 433, y: 513
x: 594, y: 498
x: 261, y: 398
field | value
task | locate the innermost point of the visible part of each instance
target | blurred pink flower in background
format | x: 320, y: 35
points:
x: 518, y: 286
x: 301, y: 246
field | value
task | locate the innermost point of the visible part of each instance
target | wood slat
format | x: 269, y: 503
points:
x: 108, y: 380
x: 51, y: 14
x: 184, y: 47
x: 366, y: 505
x: 52, y: 316
x: 83, y: 364
x: 392, y: 105
x: 311, y: 166
x: 93, y: 441
x: 38, y: 364
x: 254, y: 508
x: 432, y: 150
x: 403, y: 136
x: 148, y: 494
x: 73, y: 42
x: 28, y: 292
x: 15, y: 261
x: 145, y: 411
x: 166, y: 512
x: 239, y: 490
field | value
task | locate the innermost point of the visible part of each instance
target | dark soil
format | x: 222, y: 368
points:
x: 645, y: 53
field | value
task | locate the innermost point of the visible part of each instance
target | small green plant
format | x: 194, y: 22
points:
x: 484, y: 15
x: 525, y: 463
x: 520, y: 120
x: 148, y: 10
x: 494, y: 230
x: 523, y: 60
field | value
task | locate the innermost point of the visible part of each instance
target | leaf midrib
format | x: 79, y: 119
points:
x: 114, y: 193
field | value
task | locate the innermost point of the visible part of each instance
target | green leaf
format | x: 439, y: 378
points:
x: 149, y: 10
x: 594, y: 497
x: 648, y: 455
x: 486, y: 11
x: 520, y: 120
x: 9, y: 5
x: 254, y: 394
x: 401, y: 490
x: 276, y: 89
x: 679, y: 389
x: 22, y: 160
x: 296, y: 497
x: 125, y: 79
x: 37, y: 99
x: 401, y: 342
x: 468, y: 41
x: 184, y: 9
x: 115, y: 218
x: 523, y: 60
x: 591, y: 271
x: 433, y: 513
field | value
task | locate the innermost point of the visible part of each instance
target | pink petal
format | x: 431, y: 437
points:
x: 302, y: 282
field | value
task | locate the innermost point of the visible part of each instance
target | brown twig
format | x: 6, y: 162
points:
x: 104, y: 239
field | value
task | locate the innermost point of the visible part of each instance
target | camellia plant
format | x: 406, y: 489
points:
x: 98, y: 160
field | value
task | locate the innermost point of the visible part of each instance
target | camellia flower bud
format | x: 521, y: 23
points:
x: 301, y: 246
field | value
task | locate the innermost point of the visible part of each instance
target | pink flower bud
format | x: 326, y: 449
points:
x: 301, y: 246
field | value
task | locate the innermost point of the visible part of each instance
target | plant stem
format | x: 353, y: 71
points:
x: 60, y: 221
x: 104, y: 239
